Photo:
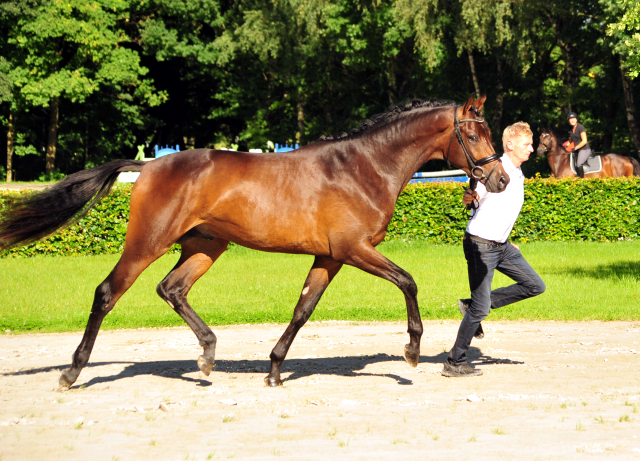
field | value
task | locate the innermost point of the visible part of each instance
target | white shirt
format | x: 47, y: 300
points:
x: 497, y: 212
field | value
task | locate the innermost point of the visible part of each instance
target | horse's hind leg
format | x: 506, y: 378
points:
x: 198, y: 255
x: 107, y: 294
x: 321, y: 274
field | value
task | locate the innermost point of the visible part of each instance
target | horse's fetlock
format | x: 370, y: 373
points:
x: 208, y: 341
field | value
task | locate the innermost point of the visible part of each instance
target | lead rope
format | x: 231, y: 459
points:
x: 473, y: 206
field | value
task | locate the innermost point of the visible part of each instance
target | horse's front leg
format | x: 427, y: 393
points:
x: 367, y: 258
x: 320, y: 275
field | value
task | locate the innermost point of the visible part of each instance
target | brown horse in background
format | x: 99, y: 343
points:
x: 333, y: 199
x: 613, y: 165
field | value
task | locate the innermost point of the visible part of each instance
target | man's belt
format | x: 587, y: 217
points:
x: 475, y: 238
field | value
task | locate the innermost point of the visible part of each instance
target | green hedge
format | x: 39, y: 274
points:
x: 558, y: 210
x: 603, y: 210
x: 102, y: 231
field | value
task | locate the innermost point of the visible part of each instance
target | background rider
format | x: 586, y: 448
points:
x: 581, y: 146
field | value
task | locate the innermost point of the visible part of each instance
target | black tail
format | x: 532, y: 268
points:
x: 29, y: 218
x: 636, y: 166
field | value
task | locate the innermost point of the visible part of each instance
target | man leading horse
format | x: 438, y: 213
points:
x: 487, y: 248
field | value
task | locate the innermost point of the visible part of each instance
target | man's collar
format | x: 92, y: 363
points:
x: 507, y: 163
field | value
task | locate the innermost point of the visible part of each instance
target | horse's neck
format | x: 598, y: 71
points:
x: 416, y: 142
x: 558, y: 160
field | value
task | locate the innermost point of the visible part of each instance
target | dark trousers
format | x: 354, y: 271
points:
x: 482, y: 260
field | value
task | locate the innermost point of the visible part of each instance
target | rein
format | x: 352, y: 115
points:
x: 476, y: 172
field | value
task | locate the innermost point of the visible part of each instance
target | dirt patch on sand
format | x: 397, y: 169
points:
x: 549, y: 391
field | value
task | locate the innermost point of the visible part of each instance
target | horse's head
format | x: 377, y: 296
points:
x: 474, y: 152
x: 547, y: 142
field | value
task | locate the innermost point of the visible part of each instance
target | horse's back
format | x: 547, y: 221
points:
x: 615, y: 165
x: 274, y: 202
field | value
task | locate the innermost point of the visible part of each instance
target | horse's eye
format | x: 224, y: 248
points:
x: 473, y: 138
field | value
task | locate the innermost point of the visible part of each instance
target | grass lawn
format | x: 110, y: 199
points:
x: 585, y: 281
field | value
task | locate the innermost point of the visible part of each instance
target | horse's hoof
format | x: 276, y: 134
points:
x: 272, y: 382
x: 65, y: 382
x: 412, y: 357
x: 205, y: 365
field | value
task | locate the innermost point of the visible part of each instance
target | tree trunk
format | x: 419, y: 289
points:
x: 472, y: 64
x: 10, y: 148
x: 496, y: 122
x: 568, y: 55
x: 391, y: 77
x: 86, y: 143
x: 53, y: 136
x: 571, y: 78
x: 610, y: 114
x: 627, y: 86
x: 300, y: 133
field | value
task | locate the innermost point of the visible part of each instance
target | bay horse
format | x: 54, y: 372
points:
x: 613, y: 165
x: 333, y: 199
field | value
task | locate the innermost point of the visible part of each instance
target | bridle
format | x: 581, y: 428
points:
x: 475, y: 166
x: 547, y: 148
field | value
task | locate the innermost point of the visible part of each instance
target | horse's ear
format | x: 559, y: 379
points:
x: 467, y: 105
x: 480, y: 102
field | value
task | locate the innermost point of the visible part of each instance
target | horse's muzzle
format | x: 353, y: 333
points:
x: 497, y: 183
x: 503, y: 182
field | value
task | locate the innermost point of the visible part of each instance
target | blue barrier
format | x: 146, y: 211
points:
x: 440, y: 176
x: 166, y: 150
x: 285, y: 148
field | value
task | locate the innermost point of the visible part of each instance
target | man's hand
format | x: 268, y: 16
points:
x: 469, y: 197
x: 517, y: 247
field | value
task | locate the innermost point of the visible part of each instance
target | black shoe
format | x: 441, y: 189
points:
x: 463, y: 306
x: 580, y: 171
x: 459, y: 371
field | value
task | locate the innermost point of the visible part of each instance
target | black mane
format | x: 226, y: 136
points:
x: 392, y: 114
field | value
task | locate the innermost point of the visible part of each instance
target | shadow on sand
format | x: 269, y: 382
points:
x: 350, y: 366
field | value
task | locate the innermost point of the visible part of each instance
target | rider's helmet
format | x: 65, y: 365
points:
x: 572, y: 115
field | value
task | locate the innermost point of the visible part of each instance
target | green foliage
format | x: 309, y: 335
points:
x: 102, y: 231
x: 601, y: 210
x: 244, y: 73
x: 431, y: 212
x: 77, y: 56
x: 626, y: 32
x: 52, y: 176
x: 72, y: 49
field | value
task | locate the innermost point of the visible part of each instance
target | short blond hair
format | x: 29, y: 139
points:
x: 516, y: 130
